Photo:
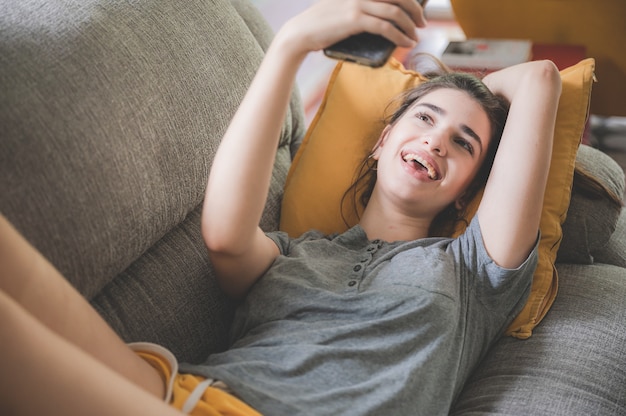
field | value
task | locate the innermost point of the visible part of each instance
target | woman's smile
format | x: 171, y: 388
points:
x: 420, y: 164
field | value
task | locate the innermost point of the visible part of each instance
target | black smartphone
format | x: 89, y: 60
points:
x: 364, y: 48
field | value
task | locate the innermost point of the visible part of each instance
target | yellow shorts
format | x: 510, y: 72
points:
x: 193, y: 395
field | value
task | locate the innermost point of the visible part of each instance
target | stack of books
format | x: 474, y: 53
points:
x: 487, y: 55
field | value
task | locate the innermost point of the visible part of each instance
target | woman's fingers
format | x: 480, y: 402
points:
x: 406, y: 14
x: 391, y: 31
x: 329, y: 21
x: 393, y: 19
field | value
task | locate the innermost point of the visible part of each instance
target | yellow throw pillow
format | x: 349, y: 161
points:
x: 348, y: 124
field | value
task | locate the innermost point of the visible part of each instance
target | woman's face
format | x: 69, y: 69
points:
x: 427, y: 159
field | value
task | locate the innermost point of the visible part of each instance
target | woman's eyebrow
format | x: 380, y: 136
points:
x: 467, y: 130
x: 464, y: 127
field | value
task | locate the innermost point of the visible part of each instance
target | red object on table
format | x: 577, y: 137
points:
x: 562, y: 55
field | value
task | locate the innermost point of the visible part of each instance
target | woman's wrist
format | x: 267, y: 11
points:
x: 289, y: 44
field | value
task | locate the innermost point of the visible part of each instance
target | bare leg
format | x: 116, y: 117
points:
x: 43, y: 374
x: 32, y: 282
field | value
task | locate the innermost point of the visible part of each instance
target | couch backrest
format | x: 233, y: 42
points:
x: 110, y: 114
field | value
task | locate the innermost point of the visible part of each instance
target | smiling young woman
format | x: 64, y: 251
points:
x: 461, y: 137
x: 381, y: 319
x: 436, y: 131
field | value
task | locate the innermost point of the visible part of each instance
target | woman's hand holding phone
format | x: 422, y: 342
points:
x: 328, y: 22
x: 370, y: 49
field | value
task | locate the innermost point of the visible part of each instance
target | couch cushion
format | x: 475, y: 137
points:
x: 614, y: 252
x: 574, y: 364
x: 592, y: 215
x: 110, y: 115
x: 168, y: 296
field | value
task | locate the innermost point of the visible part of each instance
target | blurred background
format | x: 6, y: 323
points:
x: 593, y: 26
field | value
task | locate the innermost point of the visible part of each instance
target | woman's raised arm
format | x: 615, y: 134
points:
x: 510, y: 210
x: 241, y: 172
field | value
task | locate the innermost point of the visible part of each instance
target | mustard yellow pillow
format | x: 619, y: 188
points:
x: 347, y: 125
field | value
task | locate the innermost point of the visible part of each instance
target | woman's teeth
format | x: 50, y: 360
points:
x: 432, y: 173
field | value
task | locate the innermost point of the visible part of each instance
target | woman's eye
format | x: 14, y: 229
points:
x: 423, y: 117
x: 466, y: 145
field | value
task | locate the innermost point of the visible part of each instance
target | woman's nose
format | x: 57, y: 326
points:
x: 435, y: 143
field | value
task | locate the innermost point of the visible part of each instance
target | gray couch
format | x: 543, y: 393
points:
x: 110, y: 114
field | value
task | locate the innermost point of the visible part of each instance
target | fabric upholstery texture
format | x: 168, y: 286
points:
x: 343, y: 132
x: 178, y: 299
x: 614, y: 252
x: 591, y: 221
x: 109, y: 119
x: 559, y: 370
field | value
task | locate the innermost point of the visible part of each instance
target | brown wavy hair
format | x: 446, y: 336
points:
x: 496, y: 107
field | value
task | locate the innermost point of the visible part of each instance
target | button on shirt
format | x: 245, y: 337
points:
x: 344, y: 325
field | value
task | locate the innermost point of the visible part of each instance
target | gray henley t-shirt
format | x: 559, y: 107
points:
x: 342, y: 325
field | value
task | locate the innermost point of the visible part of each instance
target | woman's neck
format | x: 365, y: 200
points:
x: 388, y: 224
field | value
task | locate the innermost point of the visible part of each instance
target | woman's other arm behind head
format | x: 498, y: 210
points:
x: 510, y: 210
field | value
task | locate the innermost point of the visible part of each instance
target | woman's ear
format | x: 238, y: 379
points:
x: 380, y: 142
x: 461, y: 202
